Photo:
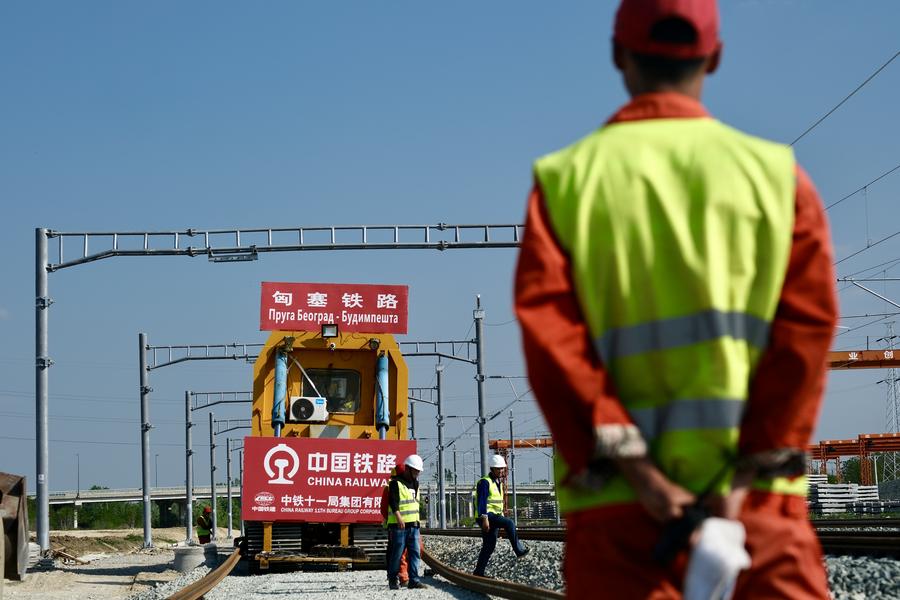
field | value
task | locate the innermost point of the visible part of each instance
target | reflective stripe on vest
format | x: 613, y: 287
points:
x: 681, y: 331
x: 494, y: 499
x: 678, y: 233
x: 408, y: 505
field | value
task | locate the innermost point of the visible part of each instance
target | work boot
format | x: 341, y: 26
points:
x: 524, y: 552
x: 392, y: 584
x: 417, y: 585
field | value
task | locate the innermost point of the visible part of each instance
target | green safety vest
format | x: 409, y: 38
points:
x: 409, y: 504
x: 494, y: 499
x: 203, y: 525
x: 678, y: 232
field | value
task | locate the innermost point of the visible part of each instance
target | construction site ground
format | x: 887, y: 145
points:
x: 117, y: 565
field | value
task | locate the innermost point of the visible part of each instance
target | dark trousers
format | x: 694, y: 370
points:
x: 399, y: 540
x: 489, y: 540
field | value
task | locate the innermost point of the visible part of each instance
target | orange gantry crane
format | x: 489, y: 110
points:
x: 862, y: 447
x: 864, y: 359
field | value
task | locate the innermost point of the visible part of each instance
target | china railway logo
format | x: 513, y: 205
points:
x: 264, y: 498
x: 281, y: 464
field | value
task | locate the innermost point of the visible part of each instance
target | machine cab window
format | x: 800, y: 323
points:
x: 340, y: 387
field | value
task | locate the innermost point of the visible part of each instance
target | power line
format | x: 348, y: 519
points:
x: 872, y: 245
x: 850, y: 95
x: 877, y: 267
x: 853, y: 193
x: 31, y: 439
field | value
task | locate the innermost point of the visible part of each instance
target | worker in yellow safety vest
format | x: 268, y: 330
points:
x: 488, y: 502
x: 675, y: 291
x: 403, y: 522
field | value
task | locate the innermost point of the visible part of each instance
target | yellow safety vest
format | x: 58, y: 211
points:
x: 409, y: 504
x: 203, y: 525
x: 494, y: 499
x: 679, y: 233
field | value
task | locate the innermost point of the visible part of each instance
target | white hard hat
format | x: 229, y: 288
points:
x: 414, y: 461
x: 497, y: 462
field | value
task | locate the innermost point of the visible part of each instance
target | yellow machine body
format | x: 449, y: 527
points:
x: 330, y: 363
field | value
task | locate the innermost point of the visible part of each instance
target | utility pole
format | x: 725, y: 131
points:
x: 42, y: 362
x: 241, y: 475
x: 412, y: 420
x: 228, y: 477
x: 512, y: 468
x: 442, y: 502
x: 551, y: 481
x: 145, y: 390
x: 77, y: 490
x: 478, y: 315
x: 212, y: 475
x: 455, y: 493
x: 188, y: 471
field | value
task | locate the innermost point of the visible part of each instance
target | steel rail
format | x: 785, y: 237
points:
x: 860, y: 542
x: 539, y: 535
x: 199, y: 588
x: 882, y: 541
x: 485, y: 585
x: 891, y: 523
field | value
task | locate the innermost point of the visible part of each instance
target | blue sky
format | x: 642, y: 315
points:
x: 166, y: 115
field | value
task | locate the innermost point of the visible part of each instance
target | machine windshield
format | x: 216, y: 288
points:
x: 340, y: 387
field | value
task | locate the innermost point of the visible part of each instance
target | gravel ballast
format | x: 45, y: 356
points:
x: 850, y: 578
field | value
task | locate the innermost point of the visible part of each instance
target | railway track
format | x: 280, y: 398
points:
x: 483, y: 585
x: 838, y: 536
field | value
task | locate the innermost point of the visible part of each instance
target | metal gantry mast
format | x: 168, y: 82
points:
x: 218, y: 245
x: 891, y: 462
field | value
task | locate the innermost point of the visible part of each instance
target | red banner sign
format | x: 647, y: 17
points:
x: 352, y: 307
x: 318, y: 480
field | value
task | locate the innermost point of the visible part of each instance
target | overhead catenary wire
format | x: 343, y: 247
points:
x: 862, y: 188
x: 868, y: 247
x: 98, y: 442
x: 850, y: 95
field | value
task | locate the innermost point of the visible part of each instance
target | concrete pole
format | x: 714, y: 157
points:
x: 551, y: 479
x: 241, y: 475
x: 145, y: 390
x: 42, y: 364
x: 455, y: 493
x: 512, y: 468
x: 188, y: 471
x: 478, y: 315
x: 442, y: 501
x: 228, y: 477
x: 212, y: 476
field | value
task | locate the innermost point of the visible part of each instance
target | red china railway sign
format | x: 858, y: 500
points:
x: 352, y: 307
x: 318, y: 480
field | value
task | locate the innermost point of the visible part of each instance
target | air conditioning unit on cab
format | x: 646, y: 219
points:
x: 307, y: 409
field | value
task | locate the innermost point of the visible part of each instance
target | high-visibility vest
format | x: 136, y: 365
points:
x: 678, y: 233
x: 204, y: 524
x: 409, y: 504
x: 494, y: 499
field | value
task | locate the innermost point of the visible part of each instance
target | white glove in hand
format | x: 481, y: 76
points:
x: 716, y: 560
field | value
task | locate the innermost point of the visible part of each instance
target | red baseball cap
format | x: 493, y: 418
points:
x: 635, y: 20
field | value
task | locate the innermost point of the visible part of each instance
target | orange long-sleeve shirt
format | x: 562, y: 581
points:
x: 577, y: 395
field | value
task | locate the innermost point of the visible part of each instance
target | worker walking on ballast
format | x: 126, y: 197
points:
x: 403, y: 523
x: 488, y: 497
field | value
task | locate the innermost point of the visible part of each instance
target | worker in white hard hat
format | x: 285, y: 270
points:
x: 488, y: 499
x: 403, y: 522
